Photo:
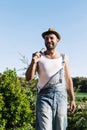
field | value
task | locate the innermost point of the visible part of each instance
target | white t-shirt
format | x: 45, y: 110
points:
x: 47, y: 68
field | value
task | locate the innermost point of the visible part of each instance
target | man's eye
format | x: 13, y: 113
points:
x: 51, y: 38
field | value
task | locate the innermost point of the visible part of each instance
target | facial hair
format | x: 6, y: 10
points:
x: 50, y: 46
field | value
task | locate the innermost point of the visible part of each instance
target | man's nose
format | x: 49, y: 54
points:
x: 49, y: 39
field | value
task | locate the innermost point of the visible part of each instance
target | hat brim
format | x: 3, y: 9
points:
x: 51, y: 32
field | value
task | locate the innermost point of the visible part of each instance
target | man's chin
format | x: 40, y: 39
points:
x: 50, y: 49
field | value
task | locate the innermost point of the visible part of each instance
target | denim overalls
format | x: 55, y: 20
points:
x: 51, y: 106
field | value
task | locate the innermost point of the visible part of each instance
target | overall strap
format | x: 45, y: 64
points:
x: 63, y: 59
x: 63, y: 62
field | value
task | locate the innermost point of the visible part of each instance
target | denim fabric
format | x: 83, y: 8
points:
x: 51, y: 106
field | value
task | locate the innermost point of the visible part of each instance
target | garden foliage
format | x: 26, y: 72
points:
x: 15, y: 109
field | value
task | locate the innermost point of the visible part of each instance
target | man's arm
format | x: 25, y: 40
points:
x: 69, y: 85
x: 33, y: 66
x: 31, y: 71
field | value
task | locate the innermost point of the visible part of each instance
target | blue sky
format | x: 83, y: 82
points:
x: 23, y: 21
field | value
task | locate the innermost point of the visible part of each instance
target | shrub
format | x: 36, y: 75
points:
x: 31, y: 92
x: 14, y: 105
x: 78, y: 119
x: 2, y: 121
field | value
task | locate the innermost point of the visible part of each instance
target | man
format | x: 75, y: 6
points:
x: 53, y: 84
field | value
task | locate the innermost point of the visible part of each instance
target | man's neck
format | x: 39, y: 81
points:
x: 52, y: 54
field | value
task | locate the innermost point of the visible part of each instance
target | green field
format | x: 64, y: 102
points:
x: 81, y: 95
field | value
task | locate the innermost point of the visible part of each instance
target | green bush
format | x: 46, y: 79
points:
x: 31, y: 92
x: 14, y: 105
x: 78, y: 119
x: 2, y: 121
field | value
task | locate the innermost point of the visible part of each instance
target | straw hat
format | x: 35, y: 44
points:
x: 51, y: 31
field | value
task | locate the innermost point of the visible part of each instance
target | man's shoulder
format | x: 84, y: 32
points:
x: 65, y: 57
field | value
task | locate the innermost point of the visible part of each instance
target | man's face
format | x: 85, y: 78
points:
x: 51, y: 41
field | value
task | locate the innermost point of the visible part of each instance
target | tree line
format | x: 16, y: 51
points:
x: 80, y: 84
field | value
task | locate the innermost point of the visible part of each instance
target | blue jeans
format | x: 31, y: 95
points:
x: 51, y: 107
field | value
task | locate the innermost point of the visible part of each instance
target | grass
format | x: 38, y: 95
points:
x: 81, y: 98
x: 80, y: 95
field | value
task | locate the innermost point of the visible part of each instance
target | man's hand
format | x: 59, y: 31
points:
x: 72, y: 106
x: 36, y: 56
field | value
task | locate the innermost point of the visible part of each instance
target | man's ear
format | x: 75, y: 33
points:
x: 58, y: 40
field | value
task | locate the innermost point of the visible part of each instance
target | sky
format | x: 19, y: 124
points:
x: 23, y: 21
